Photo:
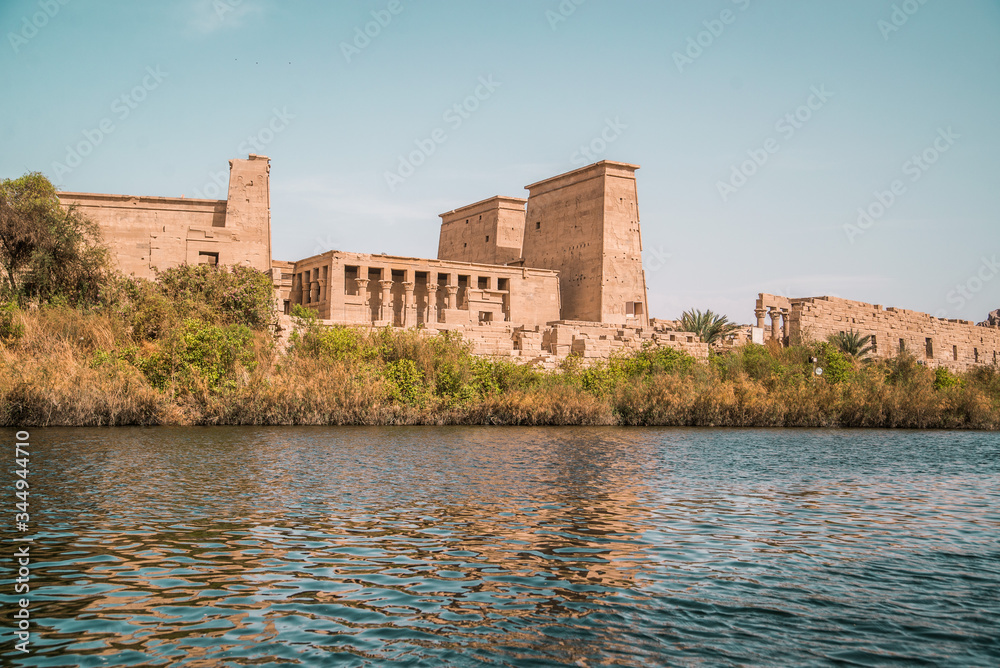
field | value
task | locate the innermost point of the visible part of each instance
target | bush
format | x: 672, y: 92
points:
x: 838, y: 368
x: 943, y: 379
x: 11, y: 327
x: 48, y: 253
x: 405, y: 382
x: 199, y: 356
x: 239, y: 295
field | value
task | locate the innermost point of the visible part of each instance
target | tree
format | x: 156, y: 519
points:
x: 852, y: 343
x: 47, y: 251
x: 711, y: 327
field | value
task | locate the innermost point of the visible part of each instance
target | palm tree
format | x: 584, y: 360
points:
x: 852, y: 343
x: 709, y: 326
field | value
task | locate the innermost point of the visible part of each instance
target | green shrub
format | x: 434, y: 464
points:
x: 653, y: 359
x: 240, y: 295
x: 405, y: 382
x: 199, y: 355
x: 496, y: 376
x: 837, y: 367
x: 602, y: 378
x: 943, y: 379
x: 11, y: 327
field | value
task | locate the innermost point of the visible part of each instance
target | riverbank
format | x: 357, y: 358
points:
x: 170, y: 356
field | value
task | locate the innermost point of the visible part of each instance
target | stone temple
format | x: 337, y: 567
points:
x: 559, y: 272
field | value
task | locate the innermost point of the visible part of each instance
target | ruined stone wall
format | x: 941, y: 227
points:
x: 147, y: 233
x: 487, y: 232
x: 585, y: 225
x: 956, y: 344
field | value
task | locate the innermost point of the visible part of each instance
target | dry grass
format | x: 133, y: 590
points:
x: 70, y: 368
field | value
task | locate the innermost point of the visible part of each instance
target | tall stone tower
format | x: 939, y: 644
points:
x: 489, y: 231
x: 585, y: 225
x: 248, y: 209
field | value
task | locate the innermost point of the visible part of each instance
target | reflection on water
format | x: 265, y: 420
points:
x: 460, y: 546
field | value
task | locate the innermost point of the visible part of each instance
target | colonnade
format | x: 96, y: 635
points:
x: 779, y: 322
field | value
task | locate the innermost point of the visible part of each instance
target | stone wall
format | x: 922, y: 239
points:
x: 147, y: 233
x: 487, y: 232
x: 956, y: 344
x: 585, y: 225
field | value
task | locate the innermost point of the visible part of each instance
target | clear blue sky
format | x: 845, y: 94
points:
x: 227, y: 70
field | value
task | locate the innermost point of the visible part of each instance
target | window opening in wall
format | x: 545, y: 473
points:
x: 902, y: 346
x: 287, y: 307
x: 975, y: 355
x: 538, y: 225
x: 484, y: 283
x: 465, y: 245
x: 954, y: 353
x: 462, y: 296
x: 208, y: 258
x: 350, y: 280
x: 485, y: 316
x: 503, y: 284
x: 929, y: 348
x: 874, y: 345
x: 487, y: 238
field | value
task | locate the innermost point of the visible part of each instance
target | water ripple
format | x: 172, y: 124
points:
x: 514, y: 547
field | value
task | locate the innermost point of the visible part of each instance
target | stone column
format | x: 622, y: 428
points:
x: 775, y: 314
x: 363, y: 289
x: 760, y: 313
x: 313, y: 292
x: 323, y: 293
x: 450, y: 301
x: 385, y: 309
x: 408, y: 304
x: 785, y: 318
x: 296, y: 294
x: 432, y: 304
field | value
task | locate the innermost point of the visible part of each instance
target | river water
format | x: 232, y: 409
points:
x: 509, y: 547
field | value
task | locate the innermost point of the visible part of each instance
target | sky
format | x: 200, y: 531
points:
x: 845, y: 147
